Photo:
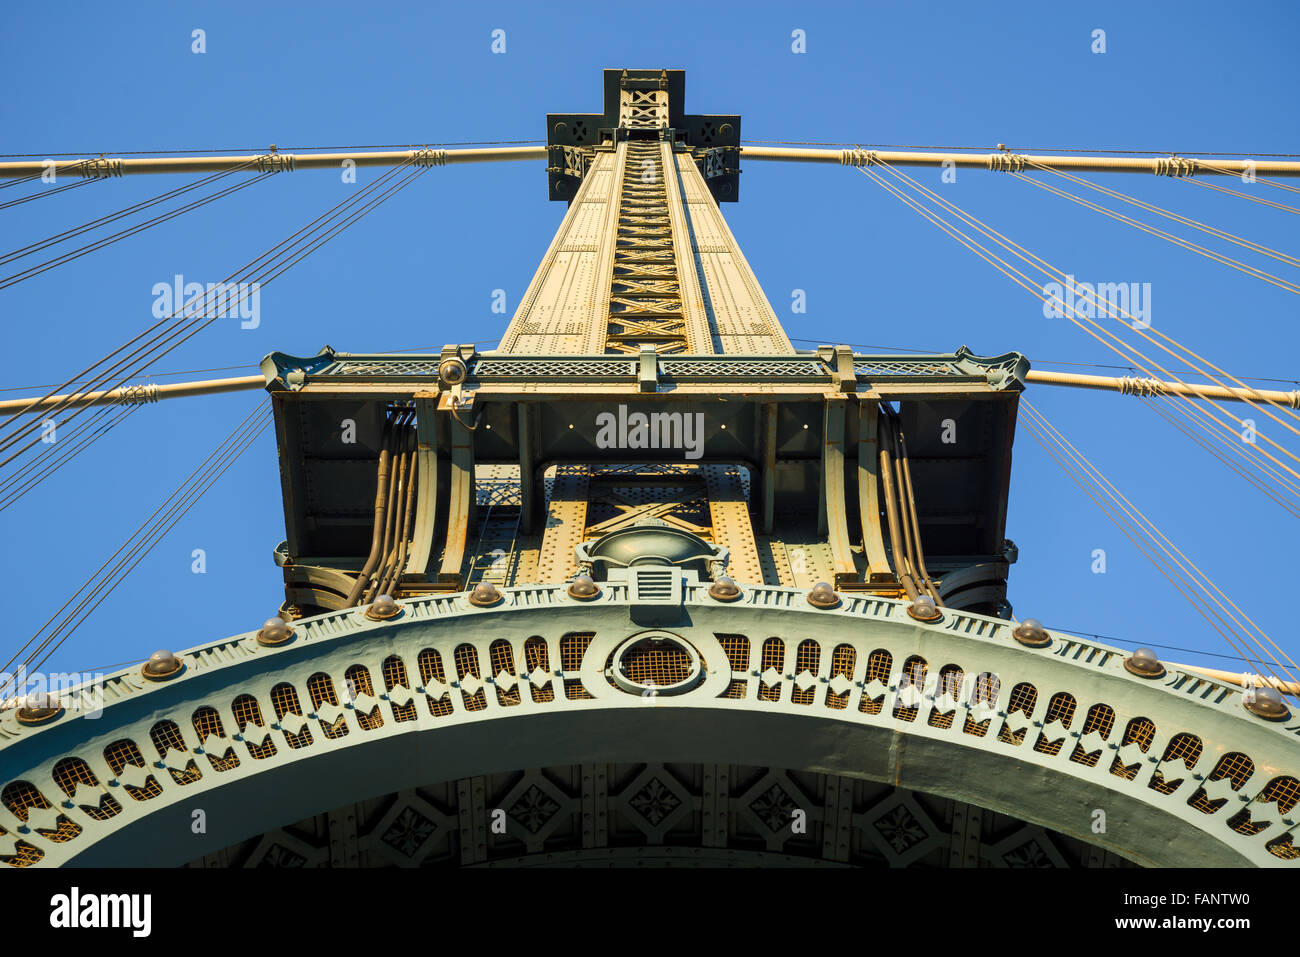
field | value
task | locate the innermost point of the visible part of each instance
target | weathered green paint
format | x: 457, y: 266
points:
x: 696, y: 726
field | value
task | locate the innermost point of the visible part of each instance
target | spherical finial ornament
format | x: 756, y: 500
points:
x: 1265, y: 702
x: 38, y: 707
x: 1031, y: 634
x: 924, y: 609
x: 724, y: 589
x: 1144, y: 664
x: 161, y: 666
x: 484, y: 595
x: 383, y: 608
x: 276, y: 631
x: 822, y: 595
x: 583, y: 588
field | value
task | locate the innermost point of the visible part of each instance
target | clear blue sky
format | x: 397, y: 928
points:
x: 1187, y: 77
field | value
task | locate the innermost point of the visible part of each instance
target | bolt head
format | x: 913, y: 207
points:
x: 1265, y: 702
x: 924, y: 609
x: 38, y: 707
x: 161, y: 664
x: 383, y: 608
x: 724, y: 589
x: 275, y: 631
x: 1144, y: 663
x: 484, y: 595
x: 822, y: 595
x: 1031, y: 634
x: 583, y: 587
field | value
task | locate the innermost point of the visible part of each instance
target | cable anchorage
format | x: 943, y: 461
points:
x: 143, y: 394
x: 1007, y: 162
x: 1176, y: 166
x: 1136, y: 385
x: 859, y: 157
x: 274, y: 162
x: 100, y: 168
x: 428, y: 158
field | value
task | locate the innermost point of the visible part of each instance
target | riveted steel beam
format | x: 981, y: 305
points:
x: 833, y: 519
x: 420, y: 554
x: 869, y: 507
x: 460, y: 503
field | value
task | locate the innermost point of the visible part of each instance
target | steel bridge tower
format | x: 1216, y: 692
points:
x: 647, y: 584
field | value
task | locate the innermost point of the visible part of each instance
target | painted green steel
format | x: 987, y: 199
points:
x: 394, y: 371
x: 898, y: 744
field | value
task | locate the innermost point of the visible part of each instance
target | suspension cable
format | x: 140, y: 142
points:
x: 98, y: 244
x: 1237, y: 192
x: 290, y: 250
x: 1108, y: 308
x: 47, y: 192
x: 1021, y: 279
x: 101, y: 583
x: 112, y: 217
x: 80, y: 438
x: 1153, y: 533
x: 1205, y: 251
x: 1175, y: 217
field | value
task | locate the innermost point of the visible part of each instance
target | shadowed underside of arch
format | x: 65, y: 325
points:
x: 660, y: 813
x: 569, y: 728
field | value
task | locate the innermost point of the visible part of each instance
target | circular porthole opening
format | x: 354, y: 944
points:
x: 656, y: 661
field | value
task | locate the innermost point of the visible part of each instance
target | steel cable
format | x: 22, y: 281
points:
x: 1153, y: 533
x: 1109, y: 309
x: 47, y: 192
x: 114, y: 216
x: 168, y: 328
x: 150, y: 532
x: 32, y: 271
x: 1017, y: 276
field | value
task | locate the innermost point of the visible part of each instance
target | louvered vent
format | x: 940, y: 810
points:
x: 656, y: 586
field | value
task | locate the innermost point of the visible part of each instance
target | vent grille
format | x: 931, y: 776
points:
x: 656, y: 586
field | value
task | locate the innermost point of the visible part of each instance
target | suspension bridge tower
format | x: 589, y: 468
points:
x: 648, y: 585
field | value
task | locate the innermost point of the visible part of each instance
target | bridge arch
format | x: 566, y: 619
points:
x: 352, y: 709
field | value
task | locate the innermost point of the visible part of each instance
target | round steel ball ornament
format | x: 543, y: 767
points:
x: 37, y: 708
x: 484, y: 595
x: 1031, y: 634
x: 1265, y: 702
x: 724, y: 589
x: 1144, y: 664
x: 383, y: 608
x: 822, y: 595
x: 584, y: 588
x: 924, y: 609
x: 276, y: 631
x: 161, y: 665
